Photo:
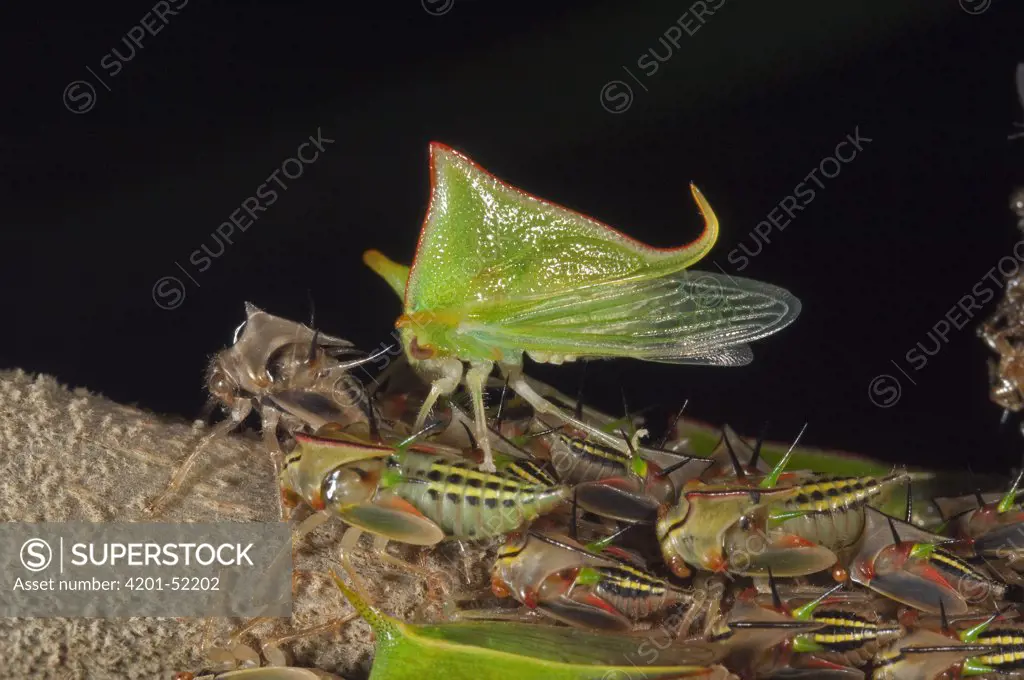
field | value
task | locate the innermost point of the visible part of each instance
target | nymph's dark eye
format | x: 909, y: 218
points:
x: 744, y: 522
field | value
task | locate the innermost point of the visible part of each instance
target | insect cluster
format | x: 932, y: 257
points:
x: 700, y: 555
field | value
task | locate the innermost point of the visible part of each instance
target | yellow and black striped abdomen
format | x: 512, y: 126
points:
x: 633, y: 592
x: 529, y: 472
x: 833, y: 510
x: 1011, y: 649
x: 844, y: 631
x: 578, y: 460
x: 968, y: 580
x: 469, y: 504
x: 850, y: 639
x: 832, y: 495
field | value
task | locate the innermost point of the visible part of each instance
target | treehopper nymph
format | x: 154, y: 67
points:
x: 499, y: 273
x: 291, y: 375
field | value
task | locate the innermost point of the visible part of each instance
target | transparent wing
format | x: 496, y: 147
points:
x: 686, y: 317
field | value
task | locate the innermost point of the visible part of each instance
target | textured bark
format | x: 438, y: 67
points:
x: 71, y: 455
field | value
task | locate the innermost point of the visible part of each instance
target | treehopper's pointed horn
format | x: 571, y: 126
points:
x: 625, y: 411
x: 972, y: 633
x: 740, y: 474
x: 469, y: 433
x: 311, y: 357
x: 672, y: 426
x: 394, y: 274
x: 312, y: 308
x: 700, y: 247
x: 806, y: 611
x: 675, y: 466
x: 756, y: 455
x: 895, y: 534
x: 1006, y: 502
x: 773, y: 477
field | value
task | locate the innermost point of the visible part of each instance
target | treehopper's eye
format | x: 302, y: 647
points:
x: 221, y: 386
x: 343, y: 486
x: 418, y: 351
x: 744, y: 523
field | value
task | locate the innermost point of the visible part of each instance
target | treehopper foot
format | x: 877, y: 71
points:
x: 272, y: 648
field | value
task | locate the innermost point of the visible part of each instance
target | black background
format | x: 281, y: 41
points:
x: 101, y: 205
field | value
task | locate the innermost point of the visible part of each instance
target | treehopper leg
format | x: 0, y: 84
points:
x: 238, y: 414
x: 541, y: 405
x: 349, y: 542
x: 235, y: 654
x: 476, y: 377
x: 271, y: 418
x: 444, y: 375
x: 380, y: 544
x: 714, y: 607
x: 428, y: 405
x: 271, y: 648
x: 305, y: 527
